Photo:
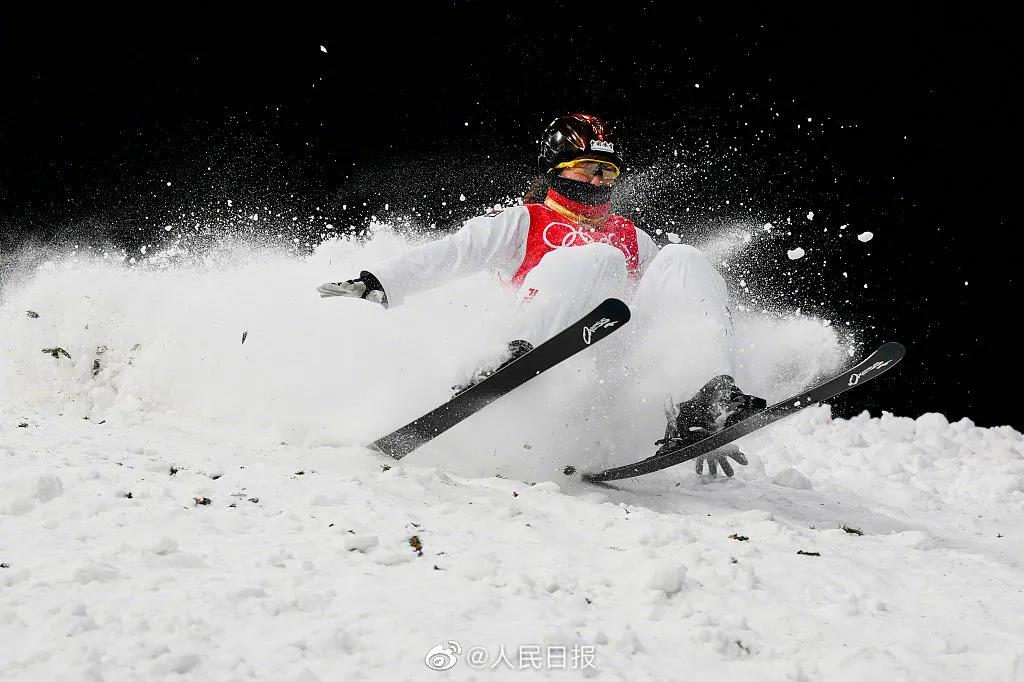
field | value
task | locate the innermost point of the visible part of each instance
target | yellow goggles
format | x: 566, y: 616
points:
x: 591, y: 167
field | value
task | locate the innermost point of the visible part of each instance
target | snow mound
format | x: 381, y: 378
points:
x: 186, y: 494
x: 247, y: 574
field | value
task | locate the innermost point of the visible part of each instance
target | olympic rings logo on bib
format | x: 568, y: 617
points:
x: 574, y: 236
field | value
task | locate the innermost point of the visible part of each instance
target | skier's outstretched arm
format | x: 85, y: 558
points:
x: 492, y: 242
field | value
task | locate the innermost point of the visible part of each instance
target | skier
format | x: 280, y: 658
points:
x: 563, y: 251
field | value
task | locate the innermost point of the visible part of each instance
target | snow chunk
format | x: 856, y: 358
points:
x: 48, y: 487
x: 673, y: 237
x: 548, y: 487
x: 19, y: 506
x: 796, y: 254
x: 931, y: 422
x: 865, y: 236
x: 791, y: 478
x: 667, y: 578
x: 100, y: 573
x: 810, y: 215
x: 164, y: 546
x: 394, y: 557
x: 176, y: 664
x: 323, y: 49
x: 360, y: 543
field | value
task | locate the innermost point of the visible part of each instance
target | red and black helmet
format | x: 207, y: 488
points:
x: 575, y: 136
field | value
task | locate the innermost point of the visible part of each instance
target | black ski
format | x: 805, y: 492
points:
x: 599, y: 323
x: 882, y: 360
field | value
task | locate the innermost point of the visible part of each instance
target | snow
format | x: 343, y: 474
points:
x: 202, y: 509
x: 796, y: 254
x: 791, y: 478
x: 865, y: 236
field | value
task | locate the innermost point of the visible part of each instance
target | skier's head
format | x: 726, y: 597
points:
x: 580, y: 158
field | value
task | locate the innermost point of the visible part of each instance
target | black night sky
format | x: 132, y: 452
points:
x: 893, y: 121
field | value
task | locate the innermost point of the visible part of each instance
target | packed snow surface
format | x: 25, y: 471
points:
x: 186, y: 494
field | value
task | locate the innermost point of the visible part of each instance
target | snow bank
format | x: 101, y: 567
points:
x: 172, y: 548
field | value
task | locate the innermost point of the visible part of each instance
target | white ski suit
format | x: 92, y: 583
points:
x: 562, y: 267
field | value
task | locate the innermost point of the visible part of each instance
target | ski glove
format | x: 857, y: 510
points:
x: 365, y: 286
x: 721, y: 457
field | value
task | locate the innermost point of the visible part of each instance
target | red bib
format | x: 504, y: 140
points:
x: 550, y: 230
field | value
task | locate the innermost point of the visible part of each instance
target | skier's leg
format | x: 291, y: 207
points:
x: 682, y: 303
x: 562, y: 288
x: 565, y: 285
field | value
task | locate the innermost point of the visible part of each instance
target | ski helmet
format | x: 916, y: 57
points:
x: 577, y: 135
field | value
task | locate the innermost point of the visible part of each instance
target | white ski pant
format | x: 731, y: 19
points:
x: 681, y: 303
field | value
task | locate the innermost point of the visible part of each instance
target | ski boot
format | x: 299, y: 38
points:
x: 717, y: 405
x: 516, y: 350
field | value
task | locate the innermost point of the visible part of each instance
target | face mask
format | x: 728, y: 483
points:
x: 580, y: 192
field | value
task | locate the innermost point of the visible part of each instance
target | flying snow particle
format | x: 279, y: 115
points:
x: 795, y: 254
x: 673, y: 237
x: 323, y: 49
x: 462, y: 197
x: 168, y: 228
x: 768, y: 227
x: 810, y: 215
x: 865, y: 236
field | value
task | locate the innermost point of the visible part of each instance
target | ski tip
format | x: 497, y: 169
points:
x: 894, y: 349
x: 617, y: 308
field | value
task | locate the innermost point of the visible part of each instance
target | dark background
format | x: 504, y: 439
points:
x: 410, y: 107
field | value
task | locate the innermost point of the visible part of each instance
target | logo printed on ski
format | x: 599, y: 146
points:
x: 588, y: 332
x: 855, y: 377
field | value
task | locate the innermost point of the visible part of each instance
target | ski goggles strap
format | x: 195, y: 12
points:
x: 591, y: 167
